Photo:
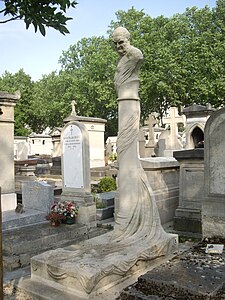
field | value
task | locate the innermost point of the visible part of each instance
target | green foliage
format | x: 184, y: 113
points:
x: 106, y: 184
x: 23, y: 83
x: 91, y: 62
x: 51, y: 103
x: 113, y: 156
x: 184, y: 62
x: 39, y: 13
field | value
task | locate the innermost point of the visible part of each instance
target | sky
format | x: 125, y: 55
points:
x: 38, y: 55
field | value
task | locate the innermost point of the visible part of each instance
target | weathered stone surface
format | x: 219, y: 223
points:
x: 213, y: 204
x: 95, y: 265
x: 191, y: 190
x: 7, y: 183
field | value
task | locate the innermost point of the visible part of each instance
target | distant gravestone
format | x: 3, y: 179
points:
x: 150, y: 146
x: 173, y: 140
x: 21, y: 150
x: 37, y: 195
x: 76, y: 170
x: 213, y: 205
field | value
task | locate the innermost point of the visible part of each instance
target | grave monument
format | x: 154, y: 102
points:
x: 138, y: 237
x: 7, y: 180
x: 213, y: 204
x: 76, y: 171
x: 169, y: 140
x: 196, y: 117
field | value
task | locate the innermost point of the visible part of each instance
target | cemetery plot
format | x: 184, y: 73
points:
x: 192, y: 275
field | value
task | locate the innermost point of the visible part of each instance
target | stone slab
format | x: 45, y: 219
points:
x: 158, y: 162
x: 11, y: 219
x: 94, y: 265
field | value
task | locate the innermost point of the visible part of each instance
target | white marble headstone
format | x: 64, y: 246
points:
x: 73, y: 157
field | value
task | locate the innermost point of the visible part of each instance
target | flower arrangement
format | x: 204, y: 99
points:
x: 68, y: 209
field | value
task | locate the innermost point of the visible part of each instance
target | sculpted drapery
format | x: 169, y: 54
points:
x: 137, y: 214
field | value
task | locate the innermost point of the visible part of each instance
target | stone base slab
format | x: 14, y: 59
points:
x: 93, y: 266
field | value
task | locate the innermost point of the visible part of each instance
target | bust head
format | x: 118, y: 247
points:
x: 121, y: 37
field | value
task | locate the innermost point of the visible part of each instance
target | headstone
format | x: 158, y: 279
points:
x: 37, y: 195
x: 213, y: 204
x: 151, y: 144
x: 7, y: 177
x: 21, y: 148
x: 76, y: 171
x: 173, y: 141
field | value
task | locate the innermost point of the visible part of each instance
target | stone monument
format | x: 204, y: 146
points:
x: 7, y: 177
x: 151, y: 145
x: 196, y: 117
x: 213, y: 204
x: 138, y: 237
x: 76, y: 171
x: 169, y: 140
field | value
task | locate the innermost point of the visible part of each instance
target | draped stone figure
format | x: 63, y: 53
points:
x: 137, y: 214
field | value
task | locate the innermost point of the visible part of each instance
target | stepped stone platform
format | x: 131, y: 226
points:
x: 28, y: 234
x: 193, y: 275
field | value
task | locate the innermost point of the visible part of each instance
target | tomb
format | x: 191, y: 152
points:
x: 196, y: 117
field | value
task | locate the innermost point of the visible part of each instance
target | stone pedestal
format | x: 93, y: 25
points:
x: 191, y: 191
x: 7, y: 180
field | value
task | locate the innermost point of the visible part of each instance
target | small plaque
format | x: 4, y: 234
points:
x: 214, y: 248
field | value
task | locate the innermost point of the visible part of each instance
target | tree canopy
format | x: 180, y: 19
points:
x: 184, y: 63
x: 39, y: 13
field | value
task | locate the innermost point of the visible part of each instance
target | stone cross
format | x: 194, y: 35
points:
x: 73, y: 103
x: 173, y: 120
x: 151, y: 123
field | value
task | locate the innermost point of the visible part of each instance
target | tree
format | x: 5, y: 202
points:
x: 23, y: 83
x: 39, y: 13
x: 51, y: 101
x: 184, y: 62
x: 91, y: 62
